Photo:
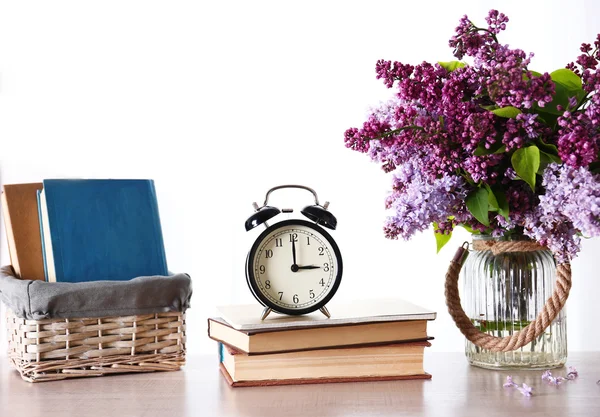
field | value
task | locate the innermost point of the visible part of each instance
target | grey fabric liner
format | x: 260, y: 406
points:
x: 36, y: 300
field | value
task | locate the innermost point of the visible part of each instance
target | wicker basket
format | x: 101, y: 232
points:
x: 53, y: 349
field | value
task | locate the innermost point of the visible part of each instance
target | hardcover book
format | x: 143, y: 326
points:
x: 311, y: 338
x: 352, y: 364
x: 100, y: 230
x: 19, y: 205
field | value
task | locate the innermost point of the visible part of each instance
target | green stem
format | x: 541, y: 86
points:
x: 486, y: 326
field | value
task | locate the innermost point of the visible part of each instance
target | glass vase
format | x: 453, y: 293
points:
x: 502, y: 294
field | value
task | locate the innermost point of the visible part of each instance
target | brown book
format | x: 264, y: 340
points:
x: 333, y: 336
x: 20, y: 208
x: 352, y: 364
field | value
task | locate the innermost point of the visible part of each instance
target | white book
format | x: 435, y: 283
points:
x: 246, y: 317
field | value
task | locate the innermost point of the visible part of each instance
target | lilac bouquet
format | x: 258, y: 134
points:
x: 491, y: 146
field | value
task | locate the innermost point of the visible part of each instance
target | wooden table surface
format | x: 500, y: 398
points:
x: 456, y: 389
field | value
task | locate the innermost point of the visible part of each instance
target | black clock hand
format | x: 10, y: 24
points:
x: 309, y: 267
x: 294, y: 252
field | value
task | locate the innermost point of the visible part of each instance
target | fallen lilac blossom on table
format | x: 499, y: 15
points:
x: 572, y: 374
x: 509, y: 382
x: 556, y: 380
x: 525, y: 389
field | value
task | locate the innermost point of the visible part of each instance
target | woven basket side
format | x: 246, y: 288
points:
x: 61, y: 348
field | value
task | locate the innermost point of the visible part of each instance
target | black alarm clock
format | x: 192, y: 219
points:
x: 294, y: 267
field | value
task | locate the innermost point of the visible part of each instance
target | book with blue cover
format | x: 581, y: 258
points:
x: 96, y: 230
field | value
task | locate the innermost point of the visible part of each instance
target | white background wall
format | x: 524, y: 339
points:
x: 218, y: 101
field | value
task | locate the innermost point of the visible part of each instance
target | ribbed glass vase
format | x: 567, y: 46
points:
x: 502, y: 294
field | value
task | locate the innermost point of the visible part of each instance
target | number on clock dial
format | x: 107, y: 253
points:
x: 315, y: 260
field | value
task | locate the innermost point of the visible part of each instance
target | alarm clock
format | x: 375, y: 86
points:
x: 294, y: 266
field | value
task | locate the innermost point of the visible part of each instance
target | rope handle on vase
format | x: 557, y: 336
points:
x: 553, y: 305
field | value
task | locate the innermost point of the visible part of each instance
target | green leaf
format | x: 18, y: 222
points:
x: 545, y: 160
x: 491, y: 198
x: 497, y: 147
x: 478, y: 204
x: 451, y: 65
x: 500, y: 197
x: 470, y: 230
x: 440, y: 238
x: 548, y: 118
x: 526, y: 162
x: 561, y: 97
x: 567, y: 78
x: 493, y: 202
x: 547, y: 147
x: 552, y: 157
x: 535, y: 73
x: 497, y: 200
x: 508, y: 112
x: 490, y: 107
x: 595, y: 167
x: 566, y: 84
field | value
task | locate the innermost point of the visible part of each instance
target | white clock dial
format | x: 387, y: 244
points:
x: 295, y: 267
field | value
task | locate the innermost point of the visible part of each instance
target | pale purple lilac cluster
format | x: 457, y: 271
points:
x: 441, y: 140
x: 570, y: 205
x: 419, y: 200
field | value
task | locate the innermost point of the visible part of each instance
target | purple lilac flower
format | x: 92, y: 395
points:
x: 571, y: 375
x: 354, y: 140
x: 571, y: 204
x: 478, y: 167
x: 496, y: 21
x: 469, y: 39
x: 522, y: 130
x: 501, y: 68
x: 504, y: 68
x: 547, y: 376
x: 510, y: 173
x: 450, y: 128
x: 390, y: 71
x: 591, y: 84
x: 509, y: 382
x: 440, y: 139
x: 578, y: 139
x: 526, y: 390
x: 521, y: 201
x: 418, y: 201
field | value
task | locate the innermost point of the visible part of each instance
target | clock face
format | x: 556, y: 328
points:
x: 294, y: 267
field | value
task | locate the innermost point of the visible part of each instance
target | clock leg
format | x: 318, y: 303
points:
x: 265, y: 313
x: 325, y: 311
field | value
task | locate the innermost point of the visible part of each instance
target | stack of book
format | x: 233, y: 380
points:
x: 369, y: 340
x: 71, y: 230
